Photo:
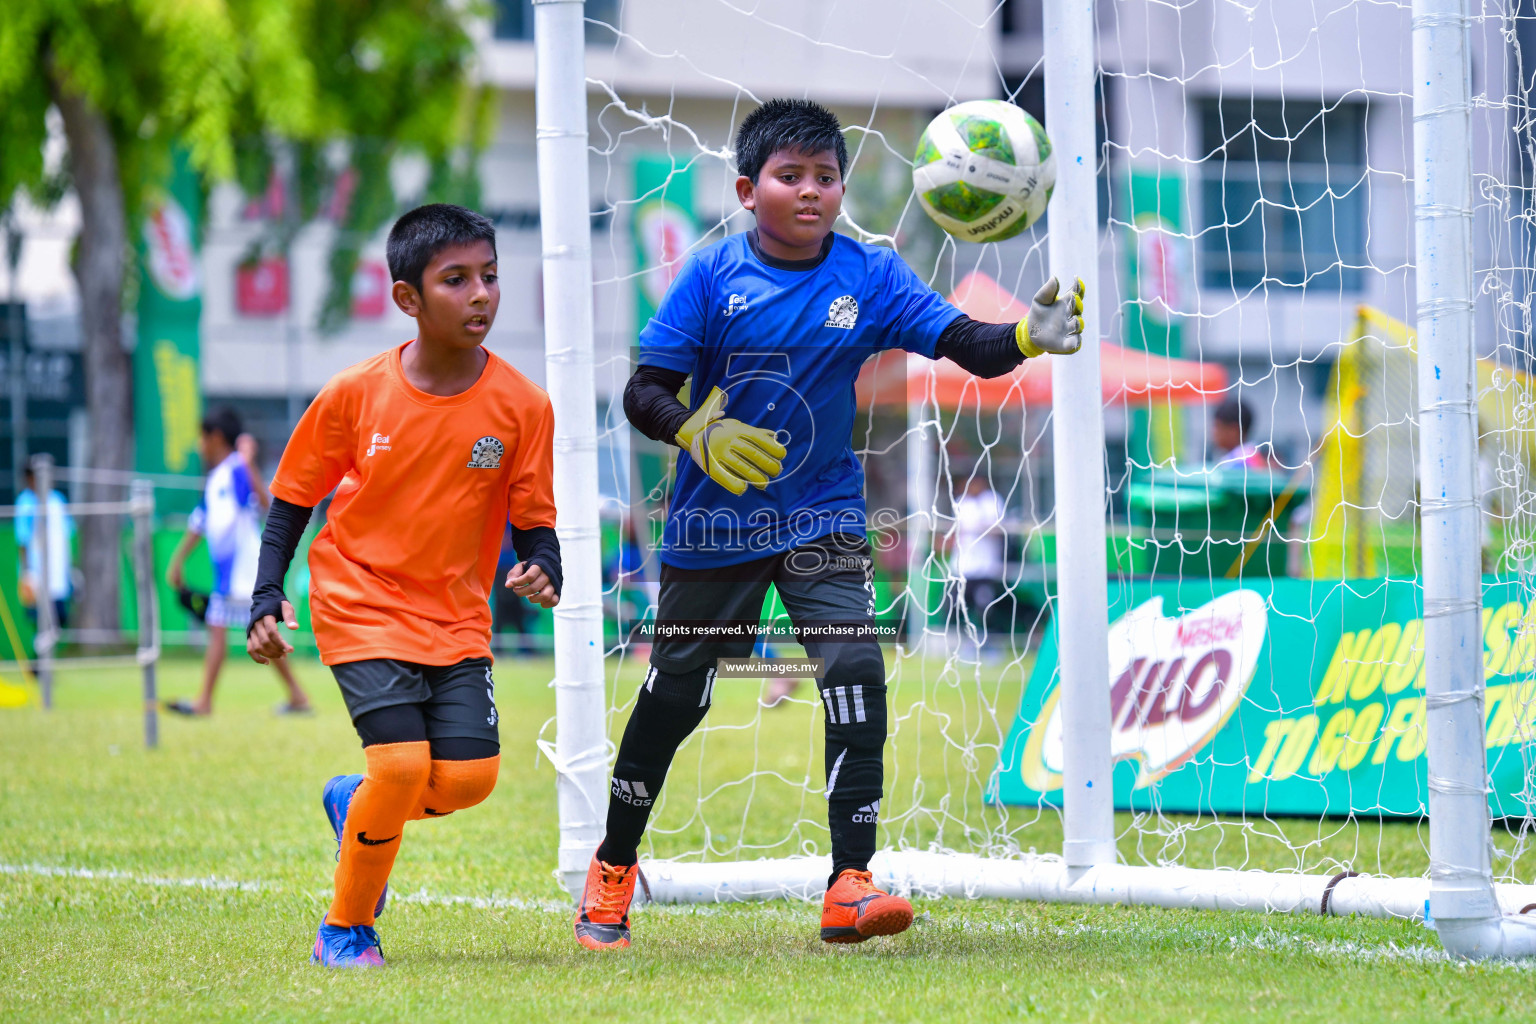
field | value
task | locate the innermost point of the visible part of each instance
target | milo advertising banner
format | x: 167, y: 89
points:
x: 664, y: 228
x: 1159, y: 277
x: 1281, y: 697
x: 167, y: 383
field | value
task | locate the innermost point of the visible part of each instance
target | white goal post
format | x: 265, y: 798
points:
x: 580, y: 751
x: 1474, y: 916
x: 1462, y: 900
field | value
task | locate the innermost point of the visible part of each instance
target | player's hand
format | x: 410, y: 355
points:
x: 731, y: 452
x: 532, y: 582
x: 174, y: 577
x: 265, y: 643
x: 1055, y: 321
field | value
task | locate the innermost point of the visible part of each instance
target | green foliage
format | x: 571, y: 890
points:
x: 455, y: 176
x: 311, y: 175
x: 21, y: 158
x: 243, y: 85
x: 161, y: 74
x: 454, y: 180
x: 390, y: 80
x: 370, y: 205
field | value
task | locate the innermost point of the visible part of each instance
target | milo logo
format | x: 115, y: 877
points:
x: 1173, y: 682
x: 169, y: 253
x: 666, y: 232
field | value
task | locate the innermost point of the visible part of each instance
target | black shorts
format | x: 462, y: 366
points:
x: 714, y: 613
x: 458, y: 701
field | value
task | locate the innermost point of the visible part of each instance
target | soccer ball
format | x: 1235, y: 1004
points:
x: 984, y: 170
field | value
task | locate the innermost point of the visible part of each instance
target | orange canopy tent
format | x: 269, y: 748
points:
x: 1127, y: 375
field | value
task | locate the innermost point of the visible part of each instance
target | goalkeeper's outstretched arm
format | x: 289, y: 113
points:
x: 1055, y: 322
x: 1054, y: 325
x: 982, y: 349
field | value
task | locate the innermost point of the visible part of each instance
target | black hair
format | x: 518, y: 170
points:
x: 797, y: 125
x: 226, y: 422
x: 422, y: 233
x: 1235, y: 410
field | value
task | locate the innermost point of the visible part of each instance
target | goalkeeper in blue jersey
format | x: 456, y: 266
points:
x: 773, y: 325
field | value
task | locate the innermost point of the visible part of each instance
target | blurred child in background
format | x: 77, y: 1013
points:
x: 1231, y: 427
x: 227, y: 519
x: 61, y: 531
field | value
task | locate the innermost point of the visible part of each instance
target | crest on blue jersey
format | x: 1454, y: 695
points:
x: 844, y: 312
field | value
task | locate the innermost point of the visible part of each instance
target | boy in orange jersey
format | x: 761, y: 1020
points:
x: 431, y: 448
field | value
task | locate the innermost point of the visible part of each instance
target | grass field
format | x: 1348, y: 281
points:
x: 185, y: 884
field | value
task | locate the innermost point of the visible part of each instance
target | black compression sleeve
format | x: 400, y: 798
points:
x: 986, y: 350
x: 650, y: 402
x: 539, y: 546
x: 280, y: 539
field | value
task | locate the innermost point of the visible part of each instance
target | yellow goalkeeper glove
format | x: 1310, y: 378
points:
x: 1055, y: 322
x: 731, y: 452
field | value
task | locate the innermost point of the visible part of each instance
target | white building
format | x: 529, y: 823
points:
x: 675, y: 81
x: 1283, y: 131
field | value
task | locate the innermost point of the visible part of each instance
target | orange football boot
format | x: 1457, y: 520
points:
x: 602, y: 916
x: 854, y: 910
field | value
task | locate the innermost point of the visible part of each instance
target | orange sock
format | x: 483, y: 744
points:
x: 397, y: 774
x: 455, y: 785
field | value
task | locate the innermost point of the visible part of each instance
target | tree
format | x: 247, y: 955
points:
x: 132, y: 80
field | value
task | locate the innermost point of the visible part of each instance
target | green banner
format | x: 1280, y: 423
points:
x: 1158, y: 279
x: 167, y: 382
x: 1277, y: 697
x: 664, y: 228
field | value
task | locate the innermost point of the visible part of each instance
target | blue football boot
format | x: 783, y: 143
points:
x: 336, y: 946
x: 336, y: 798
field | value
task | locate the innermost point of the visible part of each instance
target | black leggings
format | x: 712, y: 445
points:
x: 404, y: 723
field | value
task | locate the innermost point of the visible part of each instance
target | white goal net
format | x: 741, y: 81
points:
x: 1256, y: 313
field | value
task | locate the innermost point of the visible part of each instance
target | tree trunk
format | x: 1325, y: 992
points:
x: 100, y: 256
